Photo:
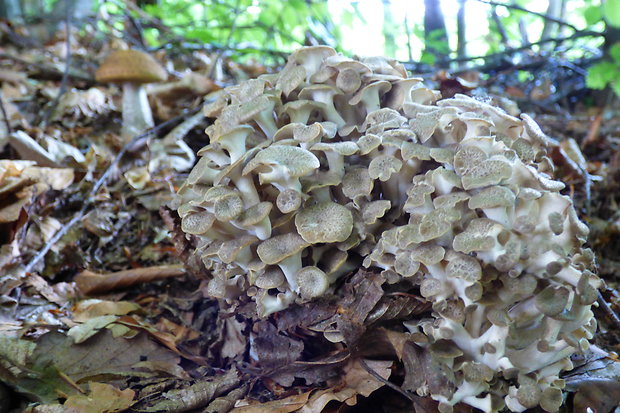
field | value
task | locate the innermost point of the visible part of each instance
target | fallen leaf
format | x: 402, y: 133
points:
x: 87, y: 309
x: 596, y: 385
x: 196, y: 395
x: 30, y: 149
x: 54, y: 365
x: 86, y: 330
x: 102, y: 398
x: 356, y: 381
x: 422, y: 370
x: 285, y: 405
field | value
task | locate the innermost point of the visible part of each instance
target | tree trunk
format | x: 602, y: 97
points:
x: 11, y: 10
x: 435, y: 33
x: 550, y: 29
x: 461, y: 48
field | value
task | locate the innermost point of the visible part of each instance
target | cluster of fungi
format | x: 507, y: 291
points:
x: 337, y: 163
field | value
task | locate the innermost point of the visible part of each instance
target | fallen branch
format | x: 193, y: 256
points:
x: 608, y: 310
x: 5, y: 116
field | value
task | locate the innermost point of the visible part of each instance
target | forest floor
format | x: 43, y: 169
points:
x: 94, y: 297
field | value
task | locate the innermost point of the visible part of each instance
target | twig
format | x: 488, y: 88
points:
x: 68, y: 58
x: 586, y: 33
x: 102, y: 179
x: 9, y: 130
x: 608, y: 310
x: 408, y: 32
x: 500, y: 27
x: 233, y: 27
x: 377, y: 376
x: 137, y: 29
x: 93, y: 283
x: 535, y: 13
x: 523, y: 30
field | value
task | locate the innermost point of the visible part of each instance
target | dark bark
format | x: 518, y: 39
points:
x: 435, y: 33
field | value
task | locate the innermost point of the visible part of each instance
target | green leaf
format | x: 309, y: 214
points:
x: 611, y: 12
x: 200, y: 33
x: 601, y: 74
x: 614, y: 52
x: 524, y: 76
x: 616, y: 86
x: 592, y: 14
x: 428, y: 58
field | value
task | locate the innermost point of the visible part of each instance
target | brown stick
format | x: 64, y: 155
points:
x: 94, y: 283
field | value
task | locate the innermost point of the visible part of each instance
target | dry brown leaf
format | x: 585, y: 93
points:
x: 92, y: 283
x: 20, y: 181
x: 235, y: 341
x: 288, y: 404
x: 82, y: 104
x: 423, y: 370
x: 102, y: 398
x: 167, y: 339
x: 196, y: 395
x: 356, y: 381
x: 87, y: 309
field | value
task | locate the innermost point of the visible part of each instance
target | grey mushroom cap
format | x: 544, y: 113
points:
x: 324, y: 222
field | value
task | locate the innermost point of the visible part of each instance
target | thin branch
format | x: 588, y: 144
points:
x: 500, y: 27
x: 535, y: 13
x: 408, y: 32
x: 137, y: 29
x: 587, y: 33
x: 102, y: 179
x: 9, y: 130
x: 65, y: 76
x: 233, y: 27
x: 608, y: 310
x: 523, y: 31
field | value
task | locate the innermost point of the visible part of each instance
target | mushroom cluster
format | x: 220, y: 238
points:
x: 334, y: 163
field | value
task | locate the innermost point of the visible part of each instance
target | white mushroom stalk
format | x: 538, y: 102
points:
x: 137, y: 114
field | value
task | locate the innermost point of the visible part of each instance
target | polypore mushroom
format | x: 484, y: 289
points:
x: 448, y: 199
x: 133, y: 69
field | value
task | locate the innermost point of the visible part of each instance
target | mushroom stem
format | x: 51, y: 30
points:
x: 137, y: 115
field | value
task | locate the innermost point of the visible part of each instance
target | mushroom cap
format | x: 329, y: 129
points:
x: 312, y: 282
x: 297, y: 161
x: 324, y: 222
x: 130, y: 66
x: 277, y: 248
